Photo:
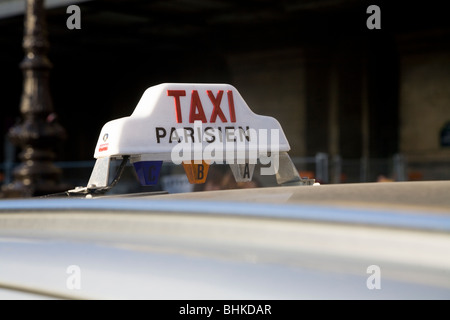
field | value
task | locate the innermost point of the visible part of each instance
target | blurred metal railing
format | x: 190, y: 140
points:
x: 324, y: 168
x: 335, y: 169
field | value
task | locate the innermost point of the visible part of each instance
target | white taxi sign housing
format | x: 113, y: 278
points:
x: 196, y: 125
x: 208, y: 114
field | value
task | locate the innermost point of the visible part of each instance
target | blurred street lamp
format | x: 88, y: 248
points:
x: 38, y: 132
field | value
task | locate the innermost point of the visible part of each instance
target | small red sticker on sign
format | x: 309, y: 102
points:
x: 103, y: 147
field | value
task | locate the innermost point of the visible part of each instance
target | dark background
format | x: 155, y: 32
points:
x: 100, y: 72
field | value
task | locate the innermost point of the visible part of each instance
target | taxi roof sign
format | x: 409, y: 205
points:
x: 173, y: 113
x: 195, y: 125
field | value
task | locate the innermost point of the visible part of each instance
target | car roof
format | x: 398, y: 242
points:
x: 293, y: 242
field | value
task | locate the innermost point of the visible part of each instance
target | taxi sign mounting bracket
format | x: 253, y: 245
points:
x: 98, y: 182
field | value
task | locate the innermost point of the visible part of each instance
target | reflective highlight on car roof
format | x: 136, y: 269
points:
x: 318, y: 213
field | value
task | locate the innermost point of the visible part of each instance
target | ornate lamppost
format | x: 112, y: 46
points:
x: 38, y: 132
